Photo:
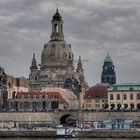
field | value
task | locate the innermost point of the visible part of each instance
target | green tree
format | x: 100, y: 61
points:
x: 112, y: 106
x: 125, y: 106
x: 119, y: 106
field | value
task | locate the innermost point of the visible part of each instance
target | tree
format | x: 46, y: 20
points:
x: 132, y: 106
x: 119, y: 106
x: 112, y: 106
x: 106, y: 106
x: 125, y: 106
x: 138, y: 106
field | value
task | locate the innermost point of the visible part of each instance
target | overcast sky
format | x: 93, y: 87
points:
x: 93, y: 27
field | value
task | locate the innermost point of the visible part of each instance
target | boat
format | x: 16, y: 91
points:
x: 65, y: 133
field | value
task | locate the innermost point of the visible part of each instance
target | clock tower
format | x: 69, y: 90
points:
x: 108, y: 73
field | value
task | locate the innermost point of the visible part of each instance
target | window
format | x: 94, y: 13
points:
x: 28, y: 96
x: 131, y: 96
x: 56, y: 27
x: 125, y: 96
x: 97, y: 105
x: 46, y: 96
x: 40, y: 96
x: 111, y: 97
x: 34, y: 96
x: 138, y: 96
x: 118, y: 96
x: 97, y: 101
x: 88, y: 101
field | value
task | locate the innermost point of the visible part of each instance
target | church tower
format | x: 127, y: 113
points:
x: 57, y: 62
x: 108, y: 73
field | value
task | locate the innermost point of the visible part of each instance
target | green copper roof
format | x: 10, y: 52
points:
x: 125, y: 87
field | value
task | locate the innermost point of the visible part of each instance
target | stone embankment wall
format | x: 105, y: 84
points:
x: 51, y: 117
x: 109, y: 134
x: 79, y: 134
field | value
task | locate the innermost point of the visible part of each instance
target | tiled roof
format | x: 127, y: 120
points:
x: 50, y: 95
x: 98, y: 91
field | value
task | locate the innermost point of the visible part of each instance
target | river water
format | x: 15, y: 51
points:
x: 63, y: 139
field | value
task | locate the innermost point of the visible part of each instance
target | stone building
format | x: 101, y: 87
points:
x: 9, y: 86
x: 96, y: 97
x: 53, y: 99
x: 125, y: 96
x: 108, y: 72
x: 57, y: 63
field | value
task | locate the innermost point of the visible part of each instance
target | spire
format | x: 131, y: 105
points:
x: 33, y: 64
x: 108, y: 58
x: 79, y: 65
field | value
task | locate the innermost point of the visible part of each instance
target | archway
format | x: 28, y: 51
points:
x: 68, y: 120
x: 63, y: 118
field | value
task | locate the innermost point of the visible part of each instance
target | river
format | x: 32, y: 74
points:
x: 65, y: 139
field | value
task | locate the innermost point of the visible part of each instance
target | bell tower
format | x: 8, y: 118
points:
x: 108, y: 73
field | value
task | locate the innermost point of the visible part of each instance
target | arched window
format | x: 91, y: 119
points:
x: 111, y: 97
x: 46, y: 96
x: 118, y: 96
x: 28, y: 96
x: 56, y: 28
x: 40, y: 96
x: 34, y: 96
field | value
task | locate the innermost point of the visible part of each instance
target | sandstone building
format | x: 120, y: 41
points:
x: 57, y: 63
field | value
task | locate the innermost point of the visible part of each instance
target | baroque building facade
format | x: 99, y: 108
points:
x: 126, y: 96
x: 108, y: 72
x: 57, y: 63
x: 9, y: 86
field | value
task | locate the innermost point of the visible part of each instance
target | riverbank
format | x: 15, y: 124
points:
x: 79, y: 134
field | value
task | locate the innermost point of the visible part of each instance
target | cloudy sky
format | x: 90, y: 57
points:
x: 93, y: 27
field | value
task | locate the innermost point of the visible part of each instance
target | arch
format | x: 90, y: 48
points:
x: 63, y: 118
x: 68, y: 120
x: 56, y: 27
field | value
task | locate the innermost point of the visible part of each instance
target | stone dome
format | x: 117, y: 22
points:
x: 56, y: 54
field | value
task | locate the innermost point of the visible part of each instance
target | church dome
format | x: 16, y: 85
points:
x: 57, y: 16
x: 56, y: 53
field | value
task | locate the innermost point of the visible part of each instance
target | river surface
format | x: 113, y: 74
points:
x: 66, y: 139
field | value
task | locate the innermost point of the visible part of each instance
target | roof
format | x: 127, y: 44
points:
x: 57, y: 16
x: 124, y: 87
x: 50, y: 95
x: 108, y: 59
x: 97, y: 91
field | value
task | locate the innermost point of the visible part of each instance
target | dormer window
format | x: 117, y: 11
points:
x: 28, y: 96
x: 34, y: 96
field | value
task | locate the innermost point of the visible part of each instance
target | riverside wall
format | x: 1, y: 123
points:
x: 50, y: 117
x: 79, y: 134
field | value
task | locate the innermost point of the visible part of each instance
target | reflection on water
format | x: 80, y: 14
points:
x: 64, y: 139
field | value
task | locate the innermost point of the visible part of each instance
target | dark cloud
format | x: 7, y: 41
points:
x: 93, y: 27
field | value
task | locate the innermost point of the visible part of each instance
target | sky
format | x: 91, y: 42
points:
x: 93, y: 28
